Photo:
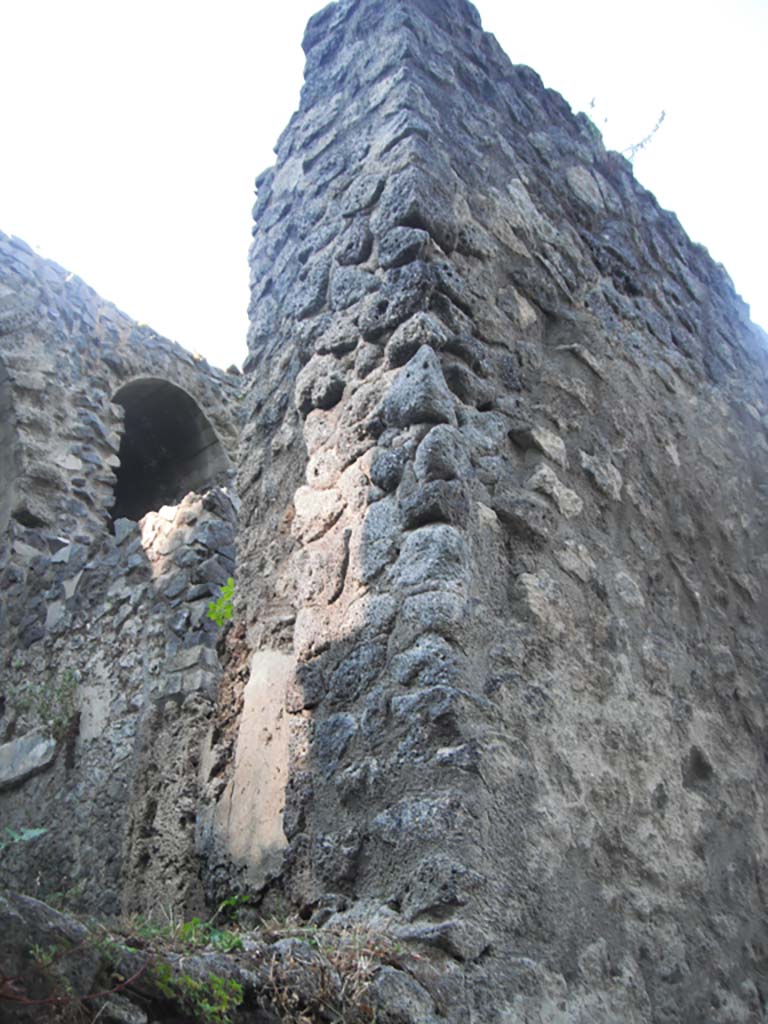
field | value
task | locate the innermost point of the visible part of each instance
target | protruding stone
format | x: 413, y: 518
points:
x: 402, y: 245
x: 421, y: 329
x: 414, y: 198
x: 387, y: 468
x: 436, y: 501
x: 349, y: 285
x: 442, y: 455
x: 320, y: 384
x: 355, y: 244
x: 524, y: 513
x: 574, y: 558
x: 547, y: 482
x: 432, y: 661
x: 419, y: 394
x: 603, y: 474
x: 432, y: 557
x: 24, y: 757
x: 550, y: 444
x: 399, y: 997
x: 406, y: 290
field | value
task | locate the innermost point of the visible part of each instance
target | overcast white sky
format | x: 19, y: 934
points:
x: 131, y: 132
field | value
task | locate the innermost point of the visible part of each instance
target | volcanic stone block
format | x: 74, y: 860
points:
x: 419, y: 394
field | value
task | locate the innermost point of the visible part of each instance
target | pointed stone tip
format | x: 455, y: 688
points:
x: 439, y: 11
x: 319, y: 23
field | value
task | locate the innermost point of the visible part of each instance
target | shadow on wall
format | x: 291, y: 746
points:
x: 7, y: 450
x: 105, y: 727
x: 168, y: 448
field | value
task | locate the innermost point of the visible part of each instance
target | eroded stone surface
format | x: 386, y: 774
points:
x: 24, y: 757
x: 541, y: 416
x: 105, y: 638
x: 502, y: 471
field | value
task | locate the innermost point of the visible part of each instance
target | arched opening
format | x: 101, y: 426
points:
x: 7, y: 450
x: 168, y: 449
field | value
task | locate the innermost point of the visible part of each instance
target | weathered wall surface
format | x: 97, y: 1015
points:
x: 107, y: 659
x: 504, y: 533
x: 500, y: 679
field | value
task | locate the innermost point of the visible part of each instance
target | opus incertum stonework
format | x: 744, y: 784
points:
x: 494, y: 488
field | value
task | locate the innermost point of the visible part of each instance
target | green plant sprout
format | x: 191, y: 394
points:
x: 209, y: 1001
x: 54, y: 702
x: 221, y: 610
x: 22, y: 835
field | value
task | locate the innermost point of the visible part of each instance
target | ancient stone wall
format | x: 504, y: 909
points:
x: 503, y: 549
x: 498, y: 680
x: 109, y: 670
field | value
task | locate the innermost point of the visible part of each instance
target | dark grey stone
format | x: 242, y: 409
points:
x: 362, y: 194
x: 357, y: 673
x: 414, y: 198
x: 387, y: 468
x: 432, y: 661
x: 381, y: 538
x: 400, y: 999
x: 405, y: 291
x: 310, y: 293
x: 402, y: 245
x: 418, y: 393
x: 525, y: 514
x: 349, y: 285
x: 437, y: 501
x: 421, y: 329
x: 330, y: 740
x: 320, y: 384
x: 355, y: 244
x: 442, y: 455
x: 434, y: 556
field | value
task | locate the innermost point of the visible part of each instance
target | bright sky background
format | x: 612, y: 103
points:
x: 132, y: 131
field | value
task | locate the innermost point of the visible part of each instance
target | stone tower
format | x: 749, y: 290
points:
x: 503, y: 542
x: 497, y: 683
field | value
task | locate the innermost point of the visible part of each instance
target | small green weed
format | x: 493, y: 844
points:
x: 9, y: 836
x: 197, y: 933
x: 53, y: 703
x: 209, y: 1002
x: 221, y: 610
x: 66, y: 899
x: 43, y: 956
x: 184, y: 935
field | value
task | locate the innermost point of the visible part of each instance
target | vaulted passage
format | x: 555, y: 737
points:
x: 168, y: 449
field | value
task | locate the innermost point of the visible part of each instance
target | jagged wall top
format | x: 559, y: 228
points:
x: 411, y: 115
x: 503, y: 467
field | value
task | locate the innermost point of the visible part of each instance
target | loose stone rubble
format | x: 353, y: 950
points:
x: 500, y: 665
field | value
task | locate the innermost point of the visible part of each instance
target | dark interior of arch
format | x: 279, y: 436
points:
x: 168, y: 449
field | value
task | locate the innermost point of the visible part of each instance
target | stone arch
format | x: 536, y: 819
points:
x: 8, y: 450
x: 168, y: 448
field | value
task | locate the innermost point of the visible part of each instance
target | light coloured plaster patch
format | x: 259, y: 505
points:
x: 249, y: 818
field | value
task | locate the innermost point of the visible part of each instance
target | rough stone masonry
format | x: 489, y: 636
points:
x: 108, y: 559
x: 502, y: 554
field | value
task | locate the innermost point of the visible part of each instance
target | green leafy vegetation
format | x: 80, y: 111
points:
x: 197, y: 933
x: 179, y: 935
x: 221, y: 610
x: 53, y: 702
x: 209, y: 1001
x: 9, y: 836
